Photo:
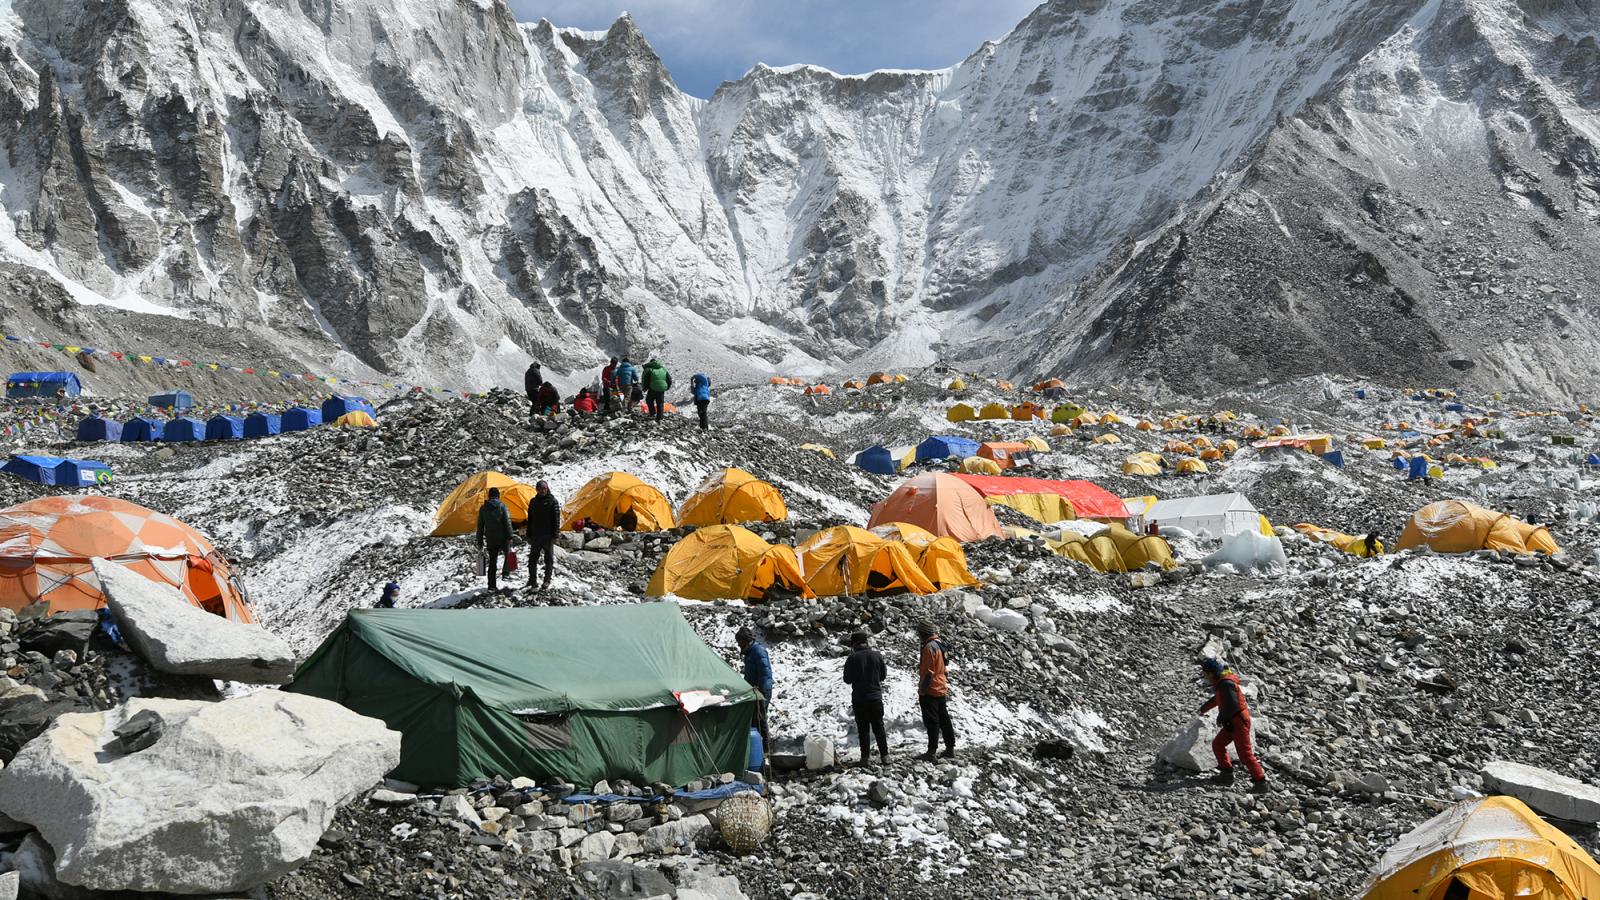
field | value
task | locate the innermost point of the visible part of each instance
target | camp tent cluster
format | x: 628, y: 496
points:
x: 344, y: 412
x: 58, y: 471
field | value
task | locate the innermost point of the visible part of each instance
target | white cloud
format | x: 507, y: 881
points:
x: 705, y: 42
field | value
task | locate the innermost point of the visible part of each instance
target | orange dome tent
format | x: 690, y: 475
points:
x: 46, y: 546
x: 819, y: 389
x: 878, y: 378
x: 606, y: 497
x: 458, y: 514
x: 940, y: 503
x: 1456, y: 526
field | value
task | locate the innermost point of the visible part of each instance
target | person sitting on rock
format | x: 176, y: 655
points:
x: 549, y: 402
x: 585, y: 404
x: 1233, y: 724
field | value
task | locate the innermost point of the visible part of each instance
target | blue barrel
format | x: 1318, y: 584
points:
x: 758, y: 753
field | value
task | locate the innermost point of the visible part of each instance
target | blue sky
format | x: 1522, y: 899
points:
x: 706, y: 42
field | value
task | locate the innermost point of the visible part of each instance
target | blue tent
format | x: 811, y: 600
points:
x: 1399, y: 463
x: 99, y: 428
x: 141, y: 428
x: 877, y: 459
x: 1419, y: 469
x: 224, y: 428
x: 42, y: 384
x: 299, y: 419
x: 57, y: 470
x: 1335, y: 458
x: 1593, y: 459
x: 259, y: 424
x: 334, y: 407
x: 945, y: 446
x: 83, y: 472
x: 183, y: 429
x: 1361, y: 394
x: 1455, y: 407
x: 175, y: 400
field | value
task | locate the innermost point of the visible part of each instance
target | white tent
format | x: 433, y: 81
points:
x: 1219, y: 514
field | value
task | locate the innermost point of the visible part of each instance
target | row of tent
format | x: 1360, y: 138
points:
x: 986, y: 457
x: 1022, y: 412
x: 727, y: 562
x: 352, y: 412
x: 726, y: 496
x: 58, y: 471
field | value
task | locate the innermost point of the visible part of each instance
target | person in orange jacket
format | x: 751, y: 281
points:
x: 933, y: 694
x: 1233, y: 724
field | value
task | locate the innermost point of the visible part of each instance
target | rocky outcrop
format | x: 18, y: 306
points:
x: 191, y: 797
x: 174, y: 636
x: 1548, y: 792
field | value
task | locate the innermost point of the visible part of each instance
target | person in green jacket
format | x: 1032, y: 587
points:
x: 494, y: 534
x: 657, y: 381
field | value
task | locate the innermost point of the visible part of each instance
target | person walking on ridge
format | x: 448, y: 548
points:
x: 700, y: 388
x: 494, y: 535
x: 1233, y: 724
x: 544, y: 523
x: 933, y: 694
x: 864, y: 671
x: 657, y: 381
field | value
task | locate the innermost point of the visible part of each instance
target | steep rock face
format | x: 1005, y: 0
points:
x: 1432, y: 219
x: 439, y: 191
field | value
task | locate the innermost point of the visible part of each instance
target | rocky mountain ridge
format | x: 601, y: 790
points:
x: 433, y: 189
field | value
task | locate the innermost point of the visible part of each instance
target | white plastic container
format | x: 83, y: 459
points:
x: 819, y: 751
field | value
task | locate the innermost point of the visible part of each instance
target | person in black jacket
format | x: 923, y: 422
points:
x: 544, y: 523
x: 864, y: 671
x: 494, y: 534
x: 531, y: 382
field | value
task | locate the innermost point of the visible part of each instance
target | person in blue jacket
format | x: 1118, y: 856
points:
x: 628, y: 384
x: 700, y: 388
x: 758, y: 674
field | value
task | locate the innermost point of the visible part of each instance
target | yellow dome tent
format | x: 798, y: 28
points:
x: 1456, y: 526
x: 1111, y: 418
x: 1229, y: 446
x: 1490, y: 849
x: 819, y: 450
x: 845, y: 559
x: 1192, y: 467
x: 957, y: 385
x: 1145, y: 425
x: 1137, y: 550
x: 1211, y: 454
x: 961, y: 412
x: 1183, y: 448
x: 977, y: 465
x: 1134, y: 465
x: 359, y: 418
x: 607, y: 497
x: 1098, y: 553
x: 1108, y: 439
x: 1085, y: 420
x: 726, y: 562
x: 729, y: 496
x: 458, y: 514
x: 994, y: 411
x: 1039, y: 444
x: 1065, y: 413
x: 940, y: 558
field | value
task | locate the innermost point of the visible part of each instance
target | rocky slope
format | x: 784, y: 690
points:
x: 437, y: 190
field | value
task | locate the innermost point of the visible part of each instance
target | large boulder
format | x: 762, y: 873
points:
x: 1544, y: 790
x: 190, y: 797
x: 1190, y: 748
x: 174, y: 635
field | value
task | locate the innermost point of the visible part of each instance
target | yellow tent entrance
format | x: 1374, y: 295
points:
x: 458, y: 514
x: 726, y: 562
x: 606, y: 498
x: 940, y: 558
x: 849, y: 560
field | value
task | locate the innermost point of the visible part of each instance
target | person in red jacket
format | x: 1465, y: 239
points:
x: 585, y: 403
x: 608, y: 384
x: 1233, y: 724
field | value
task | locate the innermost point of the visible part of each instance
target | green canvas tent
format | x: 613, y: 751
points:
x: 583, y: 693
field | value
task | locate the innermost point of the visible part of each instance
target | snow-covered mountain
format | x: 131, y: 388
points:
x: 431, y: 188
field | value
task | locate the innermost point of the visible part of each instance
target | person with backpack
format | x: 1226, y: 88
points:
x: 933, y: 694
x: 532, y: 380
x: 657, y: 381
x: 1233, y: 724
x: 544, y: 523
x: 700, y: 388
x: 628, y: 383
x: 864, y: 671
x: 494, y: 535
